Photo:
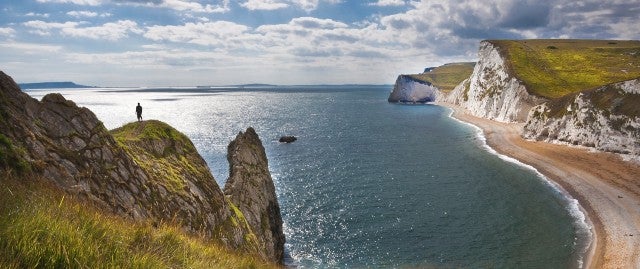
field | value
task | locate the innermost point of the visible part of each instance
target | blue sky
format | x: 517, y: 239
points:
x: 219, y: 42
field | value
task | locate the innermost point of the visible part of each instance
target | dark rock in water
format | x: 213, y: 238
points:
x: 288, y: 139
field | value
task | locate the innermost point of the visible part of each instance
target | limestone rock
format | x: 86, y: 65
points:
x: 251, y: 188
x: 492, y: 91
x: 410, y: 90
x: 606, y: 118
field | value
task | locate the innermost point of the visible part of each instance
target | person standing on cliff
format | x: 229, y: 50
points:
x: 139, y: 112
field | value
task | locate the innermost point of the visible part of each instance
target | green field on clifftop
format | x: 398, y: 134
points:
x: 448, y: 76
x: 554, y: 68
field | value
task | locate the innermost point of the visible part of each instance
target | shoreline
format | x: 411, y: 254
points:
x: 606, y: 187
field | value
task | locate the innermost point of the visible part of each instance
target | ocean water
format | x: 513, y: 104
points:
x: 368, y: 183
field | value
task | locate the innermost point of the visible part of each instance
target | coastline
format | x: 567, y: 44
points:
x: 606, y: 187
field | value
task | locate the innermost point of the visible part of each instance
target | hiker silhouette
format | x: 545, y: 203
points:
x: 139, y: 112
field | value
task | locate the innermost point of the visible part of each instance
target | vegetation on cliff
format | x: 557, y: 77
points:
x: 553, y: 68
x: 145, y: 175
x: 448, y: 76
x: 42, y: 227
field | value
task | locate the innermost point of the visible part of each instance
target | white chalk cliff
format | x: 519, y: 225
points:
x: 410, y: 90
x: 492, y: 91
x: 605, y: 118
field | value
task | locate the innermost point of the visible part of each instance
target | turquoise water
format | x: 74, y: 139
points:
x: 368, y: 183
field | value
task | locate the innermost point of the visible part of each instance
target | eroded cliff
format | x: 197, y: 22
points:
x: 145, y: 171
x: 606, y: 118
x: 492, y: 91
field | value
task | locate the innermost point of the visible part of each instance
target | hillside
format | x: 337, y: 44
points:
x: 448, y: 76
x: 144, y: 172
x: 42, y: 227
x: 552, y: 68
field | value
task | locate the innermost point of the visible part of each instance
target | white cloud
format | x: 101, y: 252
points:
x: 208, y: 33
x: 77, y: 2
x: 87, y: 14
x: 264, y: 4
x: 33, y: 14
x: 31, y: 48
x: 307, y: 5
x: 45, y: 28
x: 7, y: 31
x: 386, y: 3
x: 182, y: 5
x: 111, y: 31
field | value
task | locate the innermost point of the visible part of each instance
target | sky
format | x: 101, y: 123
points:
x: 284, y: 42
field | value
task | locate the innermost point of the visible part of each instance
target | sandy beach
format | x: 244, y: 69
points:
x: 607, y: 187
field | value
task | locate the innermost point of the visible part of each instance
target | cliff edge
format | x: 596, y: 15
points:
x: 580, y: 92
x: 144, y: 171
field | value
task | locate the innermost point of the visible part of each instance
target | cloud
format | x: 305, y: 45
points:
x: 77, y: 2
x: 31, y: 48
x: 179, y: 5
x: 33, y: 14
x: 7, y: 31
x: 208, y: 33
x: 306, y: 5
x: 111, y: 31
x: 264, y: 4
x: 387, y: 3
x: 87, y: 14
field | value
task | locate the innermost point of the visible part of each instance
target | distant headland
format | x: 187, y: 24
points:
x: 52, y: 85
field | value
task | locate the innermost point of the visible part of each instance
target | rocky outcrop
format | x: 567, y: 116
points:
x: 149, y: 171
x: 411, y: 90
x: 492, y: 91
x: 606, y: 118
x: 251, y: 188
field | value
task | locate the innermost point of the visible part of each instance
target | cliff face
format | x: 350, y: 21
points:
x: 410, y: 90
x: 492, y: 91
x: 150, y: 172
x: 251, y: 188
x: 606, y: 118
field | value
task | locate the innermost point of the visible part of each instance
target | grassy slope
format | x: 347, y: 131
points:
x: 555, y: 68
x: 448, y: 76
x: 41, y: 227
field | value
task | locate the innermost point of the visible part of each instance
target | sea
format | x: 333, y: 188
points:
x: 370, y: 184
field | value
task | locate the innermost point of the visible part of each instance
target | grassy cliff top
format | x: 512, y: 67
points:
x: 448, y: 76
x: 163, y: 152
x: 553, y: 68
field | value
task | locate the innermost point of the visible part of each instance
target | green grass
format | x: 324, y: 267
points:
x: 10, y: 156
x: 448, y: 76
x: 555, y: 68
x: 154, y: 146
x: 609, y: 99
x: 43, y: 228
